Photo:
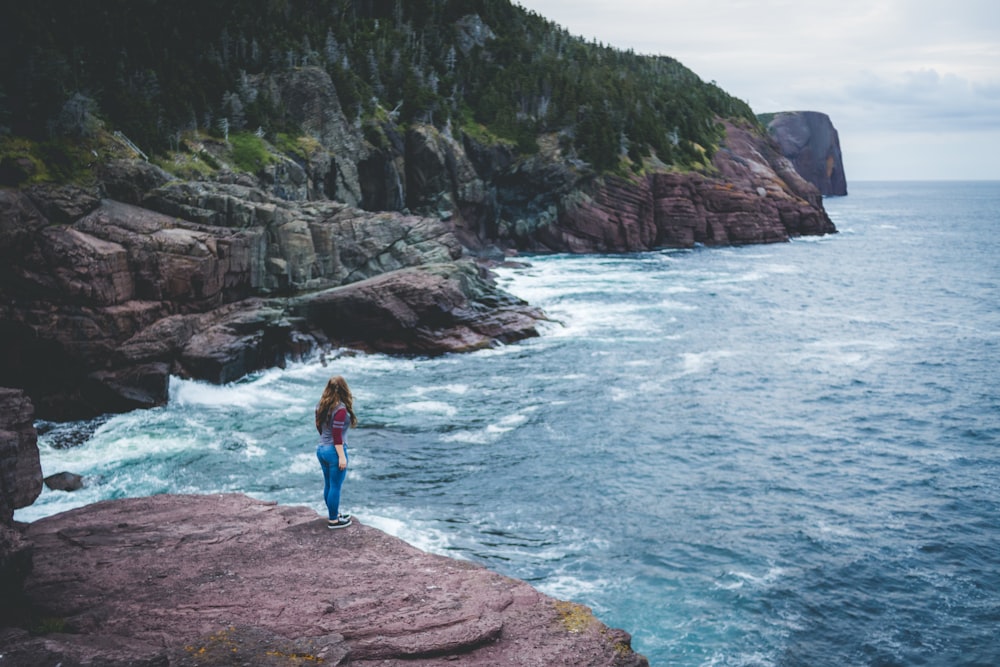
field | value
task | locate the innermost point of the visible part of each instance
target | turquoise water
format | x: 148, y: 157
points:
x: 771, y: 455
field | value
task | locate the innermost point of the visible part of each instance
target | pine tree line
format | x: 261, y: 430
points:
x: 155, y: 69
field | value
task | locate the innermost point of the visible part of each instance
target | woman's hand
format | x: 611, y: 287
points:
x: 342, y: 462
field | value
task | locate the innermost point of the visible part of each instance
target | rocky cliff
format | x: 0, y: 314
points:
x: 359, y: 236
x: 752, y: 195
x: 103, y: 300
x: 811, y: 142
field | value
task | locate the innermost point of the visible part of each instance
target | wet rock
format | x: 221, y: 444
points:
x: 430, y: 309
x: 64, y: 481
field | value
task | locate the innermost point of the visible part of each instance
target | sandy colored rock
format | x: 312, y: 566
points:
x: 226, y: 579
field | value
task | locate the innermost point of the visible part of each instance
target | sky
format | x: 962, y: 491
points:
x: 912, y: 86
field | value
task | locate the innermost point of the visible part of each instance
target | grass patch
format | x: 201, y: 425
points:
x: 47, y: 625
x: 21, y: 162
x: 249, y: 152
x: 300, y: 146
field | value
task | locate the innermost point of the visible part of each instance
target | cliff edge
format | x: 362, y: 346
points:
x: 811, y: 142
x: 229, y: 580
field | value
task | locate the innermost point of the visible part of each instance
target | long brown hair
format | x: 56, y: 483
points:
x: 336, y: 392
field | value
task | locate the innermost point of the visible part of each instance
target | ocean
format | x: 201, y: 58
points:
x: 767, y: 455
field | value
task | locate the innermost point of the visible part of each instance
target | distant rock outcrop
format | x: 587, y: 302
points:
x: 756, y: 196
x: 811, y: 142
x: 228, y: 580
x: 548, y: 202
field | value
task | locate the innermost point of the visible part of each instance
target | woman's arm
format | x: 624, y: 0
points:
x: 337, y: 430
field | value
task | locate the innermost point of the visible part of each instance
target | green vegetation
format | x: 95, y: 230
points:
x: 154, y: 72
x: 47, y: 625
x: 249, y: 152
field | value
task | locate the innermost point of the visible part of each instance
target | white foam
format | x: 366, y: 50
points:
x: 697, y: 362
x: 737, y: 579
x: 469, y: 437
x: 753, y: 659
x: 432, y: 407
x: 421, y: 534
x: 507, y: 423
x: 569, y: 587
x: 838, y: 531
x: 302, y: 464
x: 456, y: 389
x: 618, y: 394
x: 251, y: 393
x: 491, y: 432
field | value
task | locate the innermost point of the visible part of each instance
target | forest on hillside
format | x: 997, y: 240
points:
x: 155, y: 69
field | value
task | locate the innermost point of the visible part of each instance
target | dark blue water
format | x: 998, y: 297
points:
x: 772, y: 455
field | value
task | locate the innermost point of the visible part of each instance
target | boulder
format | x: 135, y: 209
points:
x: 64, y: 481
x: 429, y: 309
x: 128, y: 181
x: 225, y: 579
x: 63, y: 203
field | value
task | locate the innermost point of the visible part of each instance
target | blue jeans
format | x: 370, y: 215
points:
x: 333, y: 477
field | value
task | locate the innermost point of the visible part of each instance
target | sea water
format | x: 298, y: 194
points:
x: 768, y: 455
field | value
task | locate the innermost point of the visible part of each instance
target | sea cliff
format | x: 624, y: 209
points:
x: 110, y: 287
x: 811, y: 142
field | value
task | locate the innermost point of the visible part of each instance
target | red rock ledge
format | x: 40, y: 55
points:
x: 229, y: 580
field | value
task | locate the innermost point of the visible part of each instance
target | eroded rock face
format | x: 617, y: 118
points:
x: 811, y: 142
x: 20, y: 470
x: 20, y: 484
x: 310, y: 100
x: 428, y: 310
x: 757, y: 197
x: 98, y: 312
x: 218, y: 579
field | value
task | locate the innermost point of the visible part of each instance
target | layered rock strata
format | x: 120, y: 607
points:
x: 752, y: 195
x: 208, y: 580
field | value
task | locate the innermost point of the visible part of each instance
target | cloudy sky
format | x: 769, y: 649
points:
x: 912, y: 86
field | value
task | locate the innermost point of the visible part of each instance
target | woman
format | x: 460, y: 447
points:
x: 334, y: 415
